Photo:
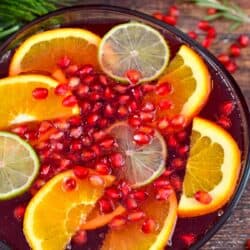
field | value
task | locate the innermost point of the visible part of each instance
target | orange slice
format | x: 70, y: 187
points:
x: 164, y: 213
x: 17, y: 104
x: 42, y: 51
x: 213, y: 167
x: 51, y: 227
x: 190, y: 84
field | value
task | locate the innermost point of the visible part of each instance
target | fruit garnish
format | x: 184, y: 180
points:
x: 19, y: 165
x: 184, y: 87
x: 42, y: 52
x: 212, y: 169
x: 143, y: 163
x: 48, y: 226
x: 20, y: 101
x: 151, y: 233
x: 133, y: 46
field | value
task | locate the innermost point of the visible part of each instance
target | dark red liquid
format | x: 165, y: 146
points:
x: 11, y: 229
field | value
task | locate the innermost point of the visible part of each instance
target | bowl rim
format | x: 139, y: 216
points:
x: 202, y: 51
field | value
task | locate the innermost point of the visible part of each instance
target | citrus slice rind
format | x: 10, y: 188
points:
x: 164, y: 213
x: 135, y: 46
x: 143, y: 164
x: 42, y: 51
x: 19, y: 165
x: 17, y: 104
x: 213, y: 166
x: 52, y: 227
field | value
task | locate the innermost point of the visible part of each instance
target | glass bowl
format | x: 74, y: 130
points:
x: 93, y: 15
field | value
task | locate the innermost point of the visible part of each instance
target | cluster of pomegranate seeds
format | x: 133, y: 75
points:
x: 225, y: 111
x: 170, y: 17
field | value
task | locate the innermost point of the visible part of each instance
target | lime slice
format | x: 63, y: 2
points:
x: 19, y: 165
x: 144, y: 163
x: 133, y: 46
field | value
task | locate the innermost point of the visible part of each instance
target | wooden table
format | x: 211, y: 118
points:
x: 235, y: 232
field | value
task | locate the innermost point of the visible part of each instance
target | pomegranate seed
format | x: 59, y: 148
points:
x: 80, y: 238
x: 109, y: 93
x: 224, y: 59
x: 109, y: 110
x: 117, y: 160
x: 96, y: 180
x: 178, y: 121
x: 158, y: 15
x: 203, y: 25
x: 103, y: 122
x: 227, y: 108
x: 224, y: 121
x: 117, y: 222
x: 122, y: 111
x: 134, y: 121
x: 243, y: 40
x: 80, y: 172
x: 140, y: 195
x: 167, y: 172
x: 248, y: 244
x: 147, y: 117
x: 132, y: 107
x: 161, y: 183
x: 19, y: 212
x: 88, y: 155
x: 92, y: 119
x: 163, y: 193
x: 125, y: 188
x: 146, y: 88
x: 177, y: 163
x: 61, y: 89
x: 171, y: 20
x: 172, y: 141
x: 75, y: 120
x: 211, y: 11
x: 86, y: 69
x: 183, y: 150
x: 85, y: 107
x: 97, y: 150
x: 72, y: 70
x: 163, y: 89
x: 87, y: 141
x: 131, y: 203
x: 176, y: 183
x: 63, y: 62
x: 121, y: 89
x: 44, y: 170
x: 173, y: 11
x: 57, y: 135
x: 136, y: 216
x: 163, y: 123
x: 20, y: 130
x: 203, y: 197
x: 74, y: 82
x: 64, y: 163
x: 235, y: 50
x: 207, y: 42
x: 146, y: 130
x: 69, y: 184
x: 76, y: 145
x: 56, y: 146
x: 192, y: 34
x: 188, y: 239
x: 107, y: 143
x: 30, y: 136
x: 165, y: 104
x: 76, y: 132
x: 123, y: 99
x: 149, y: 226
x: 137, y: 93
x: 99, y: 135
x: 40, y: 93
x: 102, y: 168
x: 182, y: 136
x: 133, y: 75
x: 231, y: 67
x: 45, y: 126
x: 69, y: 101
x: 148, y: 107
x: 105, y: 206
x: 97, y: 107
x: 113, y: 193
x: 61, y: 124
x: 141, y: 138
x: 82, y: 90
x: 103, y: 80
x: 211, y: 33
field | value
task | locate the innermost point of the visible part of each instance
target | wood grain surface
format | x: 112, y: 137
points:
x: 233, y: 235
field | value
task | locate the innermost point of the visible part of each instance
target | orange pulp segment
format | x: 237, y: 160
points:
x: 164, y: 213
x: 190, y: 85
x: 42, y: 51
x: 51, y: 227
x: 17, y: 105
x: 213, y: 167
